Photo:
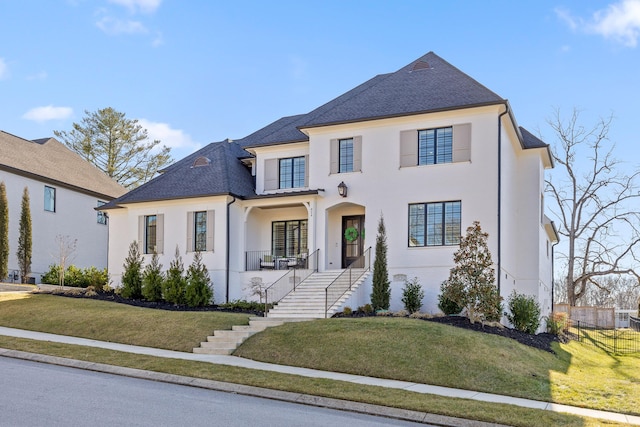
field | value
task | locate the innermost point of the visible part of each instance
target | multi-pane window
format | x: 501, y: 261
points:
x: 49, y: 199
x: 345, y: 155
x: 435, y: 146
x: 289, y: 238
x: 434, y: 224
x: 150, y: 235
x: 102, y: 216
x: 292, y: 172
x: 200, y: 231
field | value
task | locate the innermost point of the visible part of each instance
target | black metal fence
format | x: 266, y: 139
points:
x: 614, y: 341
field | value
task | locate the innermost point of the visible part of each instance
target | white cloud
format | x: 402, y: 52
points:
x: 174, y: 138
x: 619, y: 21
x: 143, y: 6
x: 42, y: 114
x: 158, y: 41
x: 114, y: 26
x: 4, y: 69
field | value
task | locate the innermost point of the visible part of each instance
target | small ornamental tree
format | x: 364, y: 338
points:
x: 24, y: 238
x: 198, y: 292
x: 132, y: 276
x: 152, y: 280
x: 174, y: 286
x: 381, y: 293
x: 412, y: 295
x: 4, y: 232
x: 471, y: 281
x: 524, y: 312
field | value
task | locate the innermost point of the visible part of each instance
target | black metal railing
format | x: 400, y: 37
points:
x: 345, y: 281
x: 288, y: 282
x: 267, y: 260
x: 613, y: 341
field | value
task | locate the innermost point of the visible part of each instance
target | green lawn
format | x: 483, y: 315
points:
x: 398, y: 348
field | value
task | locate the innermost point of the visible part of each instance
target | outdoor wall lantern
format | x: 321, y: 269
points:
x: 342, y: 189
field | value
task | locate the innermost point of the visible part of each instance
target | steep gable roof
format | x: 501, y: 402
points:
x: 425, y: 85
x: 222, y: 173
x: 48, y: 160
x: 428, y: 84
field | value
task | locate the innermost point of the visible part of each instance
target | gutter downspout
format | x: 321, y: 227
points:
x: 553, y: 275
x: 227, y: 261
x: 500, y: 195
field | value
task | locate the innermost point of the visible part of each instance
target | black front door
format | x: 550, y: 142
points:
x: 352, y: 238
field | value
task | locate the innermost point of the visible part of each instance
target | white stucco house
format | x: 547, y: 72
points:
x: 427, y: 147
x: 64, y: 191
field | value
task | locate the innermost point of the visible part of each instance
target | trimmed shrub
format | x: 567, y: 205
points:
x: 51, y: 277
x: 366, y: 309
x: 198, y: 292
x: 412, y: 295
x: 448, y: 297
x: 524, y: 312
x: 152, y: 280
x: 174, y: 286
x: 558, y: 323
x: 132, y: 276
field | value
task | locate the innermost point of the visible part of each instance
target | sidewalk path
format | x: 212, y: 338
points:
x: 251, y: 364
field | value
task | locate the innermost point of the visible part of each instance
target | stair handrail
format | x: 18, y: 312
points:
x: 288, y: 282
x: 345, y: 281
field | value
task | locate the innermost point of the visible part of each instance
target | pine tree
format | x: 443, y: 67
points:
x: 175, y: 283
x: 4, y: 232
x: 471, y: 282
x: 152, y: 280
x: 381, y: 293
x: 132, y: 276
x: 25, y: 238
x: 198, y: 292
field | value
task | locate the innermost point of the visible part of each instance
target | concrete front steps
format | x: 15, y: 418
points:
x: 226, y: 341
x: 308, y: 300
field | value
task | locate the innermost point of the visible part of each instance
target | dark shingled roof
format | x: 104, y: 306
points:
x: 281, y: 131
x: 427, y: 84
x: 49, y: 160
x: 225, y: 174
x: 529, y: 140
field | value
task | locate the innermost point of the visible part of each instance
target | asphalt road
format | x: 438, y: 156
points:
x: 36, y: 394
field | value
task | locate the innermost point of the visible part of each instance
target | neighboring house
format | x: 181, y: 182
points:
x: 64, y: 191
x: 427, y: 146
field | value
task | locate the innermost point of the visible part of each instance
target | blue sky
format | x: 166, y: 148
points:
x: 201, y: 71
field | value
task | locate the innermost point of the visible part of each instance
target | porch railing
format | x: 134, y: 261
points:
x: 346, y: 280
x: 259, y: 260
x: 288, y: 282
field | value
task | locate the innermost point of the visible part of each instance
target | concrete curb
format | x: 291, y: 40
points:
x: 305, y: 399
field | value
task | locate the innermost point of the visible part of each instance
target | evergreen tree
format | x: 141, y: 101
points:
x: 25, y: 238
x: 152, y: 280
x: 175, y: 283
x: 381, y: 293
x: 471, y: 281
x: 4, y: 232
x: 198, y: 292
x: 132, y: 276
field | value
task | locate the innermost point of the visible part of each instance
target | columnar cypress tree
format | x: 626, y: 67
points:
x: 381, y: 293
x: 4, y: 232
x: 152, y: 280
x: 198, y: 292
x: 175, y: 283
x: 24, y: 238
x: 132, y: 276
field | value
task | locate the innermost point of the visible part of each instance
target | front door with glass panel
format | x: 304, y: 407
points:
x: 352, y: 239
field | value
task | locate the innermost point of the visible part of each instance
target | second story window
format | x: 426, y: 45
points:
x: 200, y: 231
x: 346, y: 155
x: 292, y: 172
x: 435, y: 146
x: 49, y: 199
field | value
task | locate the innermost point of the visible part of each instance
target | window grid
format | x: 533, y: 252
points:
x: 49, y: 199
x: 435, y: 224
x: 292, y: 172
x: 200, y: 231
x: 345, y: 147
x: 435, y: 146
x: 150, y: 223
x: 289, y: 238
